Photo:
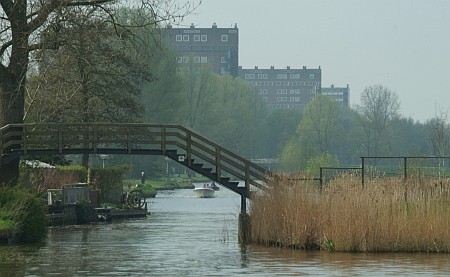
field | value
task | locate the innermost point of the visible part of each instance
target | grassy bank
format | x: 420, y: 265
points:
x: 385, y: 216
x: 150, y: 187
x: 22, y: 215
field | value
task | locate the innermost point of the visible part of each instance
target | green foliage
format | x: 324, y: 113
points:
x: 79, y: 170
x: 7, y: 224
x: 324, y: 160
x: 290, y: 160
x: 109, y: 182
x: 147, y: 189
x: 328, y: 245
x: 26, y: 210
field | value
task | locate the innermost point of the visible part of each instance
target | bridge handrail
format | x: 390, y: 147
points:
x: 130, y: 137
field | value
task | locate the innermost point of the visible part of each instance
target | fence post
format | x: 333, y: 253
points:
x: 405, y: 172
x: 320, y: 177
x: 362, y: 172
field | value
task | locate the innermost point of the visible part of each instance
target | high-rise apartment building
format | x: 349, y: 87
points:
x: 288, y: 88
x: 340, y: 94
x: 216, y: 47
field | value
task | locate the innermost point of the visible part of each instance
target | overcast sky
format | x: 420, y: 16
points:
x: 403, y: 45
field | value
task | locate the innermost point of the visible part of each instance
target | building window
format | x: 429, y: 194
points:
x: 284, y: 91
x: 204, y: 59
x: 279, y: 91
x: 291, y: 91
x: 281, y: 76
x: 264, y: 99
x: 204, y: 38
x: 185, y: 37
x: 196, y: 37
x: 297, y: 91
x: 197, y: 59
x: 223, y: 60
x: 179, y: 38
x: 179, y: 59
x: 249, y: 76
x: 224, y: 38
x: 311, y: 76
x: 185, y: 59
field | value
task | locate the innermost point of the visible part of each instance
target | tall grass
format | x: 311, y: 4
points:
x: 390, y: 215
x: 21, y: 210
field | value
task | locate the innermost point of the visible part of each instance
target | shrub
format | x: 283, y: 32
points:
x: 26, y: 210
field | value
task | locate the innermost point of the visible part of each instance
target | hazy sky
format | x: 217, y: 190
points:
x: 403, y: 45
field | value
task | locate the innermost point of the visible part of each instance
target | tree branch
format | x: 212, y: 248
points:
x: 43, y: 13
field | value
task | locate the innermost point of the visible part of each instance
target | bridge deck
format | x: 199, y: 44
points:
x: 174, y: 141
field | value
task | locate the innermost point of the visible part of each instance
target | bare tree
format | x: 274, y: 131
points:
x: 379, y: 106
x: 439, y: 136
x: 22, y: 23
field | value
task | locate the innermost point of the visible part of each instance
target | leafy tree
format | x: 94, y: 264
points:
x: 291, y: 156
x: 198, y: 92
x: 232, y: 119
x: 24, y: 24
x: 162, y: 97
x: 324, y: 160
x: 279, y: 127
x: 315, y: 133
x: 91, y: 79
x: 319, y: 123
x: 409, y: 138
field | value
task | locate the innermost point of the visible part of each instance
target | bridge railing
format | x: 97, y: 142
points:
x: 129, y: 138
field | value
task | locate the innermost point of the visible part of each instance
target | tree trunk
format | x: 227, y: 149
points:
x: 12, y: 86
x: 11, y: 111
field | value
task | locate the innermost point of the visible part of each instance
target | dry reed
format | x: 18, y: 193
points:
x: 390, y: 215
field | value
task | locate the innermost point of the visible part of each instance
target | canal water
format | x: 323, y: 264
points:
x: 189, y: 236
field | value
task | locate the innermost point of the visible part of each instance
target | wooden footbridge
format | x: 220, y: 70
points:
x: 173, y: 141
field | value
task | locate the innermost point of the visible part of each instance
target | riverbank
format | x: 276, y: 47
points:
x: 390, y: 215
x: 150, y: 187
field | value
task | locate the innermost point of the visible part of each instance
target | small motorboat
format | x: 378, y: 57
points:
x: 206, y: 191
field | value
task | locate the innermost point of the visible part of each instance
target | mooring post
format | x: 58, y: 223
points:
x: 244, y: 222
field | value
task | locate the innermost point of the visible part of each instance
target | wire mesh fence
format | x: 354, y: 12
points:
x: 405, y: 167
x: 379, y: 168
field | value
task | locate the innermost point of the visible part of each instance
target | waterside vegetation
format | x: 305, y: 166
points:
x: 23, y: 215
x: 390, y: 215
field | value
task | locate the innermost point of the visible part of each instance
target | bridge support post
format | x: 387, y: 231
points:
x: 244, y: 223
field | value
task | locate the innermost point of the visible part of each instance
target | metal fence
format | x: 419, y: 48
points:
x: 376, y: 168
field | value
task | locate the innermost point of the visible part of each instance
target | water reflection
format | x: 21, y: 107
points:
x: 287, y: 262
x: 188, y: 236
